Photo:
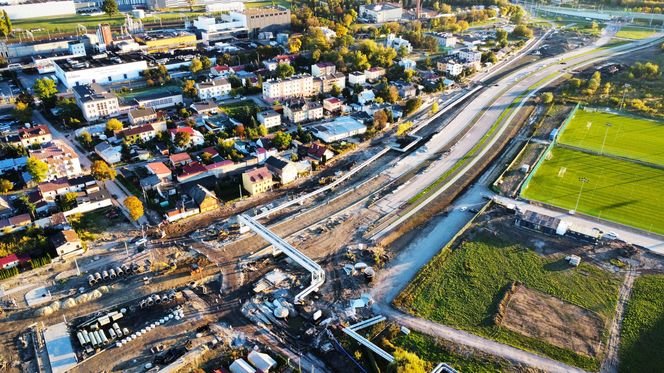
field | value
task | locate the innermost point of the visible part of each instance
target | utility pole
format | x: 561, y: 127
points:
x: 608, y: 125
x: 583, y: 181
x: 240, y: 187
x: 126, y: 249
x: 78, y: 270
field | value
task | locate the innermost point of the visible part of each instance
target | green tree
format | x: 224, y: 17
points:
x: 522, y: 31
x: 206, y: 158
x: 335, y: 91
x: 285, y: 70
x: 7, y: 21
x: 110, y: 7
x: 206, y: 62
x: 182, y: 139
x: 134, y: 206
x: 113, y: 125
x: 67, y: 201
x: 45, y: 89
x: 189, y: 89
x: 412, y: 105
x: 101, y: 171
x: 282, y: 140
x: 6, y: 185
x: 37, y: 168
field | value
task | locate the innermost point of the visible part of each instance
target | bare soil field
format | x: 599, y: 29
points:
x: 542, y: 316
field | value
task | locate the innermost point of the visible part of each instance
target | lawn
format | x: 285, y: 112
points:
x: 642, y: 335
x: 634, y: 33
x: 89, y: 225
x: 626, y: 136
x: 461, y: 288
x: 617, y: 190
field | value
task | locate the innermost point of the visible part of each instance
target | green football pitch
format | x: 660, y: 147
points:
x: 616, y: 190
x: 625, y: 136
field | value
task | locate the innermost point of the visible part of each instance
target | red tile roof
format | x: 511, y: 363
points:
x: 12, y: 258
x: 180, y: 157
x: 258, y: 175
x: 158, y: 168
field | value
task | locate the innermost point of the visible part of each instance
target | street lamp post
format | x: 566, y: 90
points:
x: 608, y: 125
x: 583, y: 181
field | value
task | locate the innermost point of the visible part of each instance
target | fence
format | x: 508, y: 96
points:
x: 553, y: 143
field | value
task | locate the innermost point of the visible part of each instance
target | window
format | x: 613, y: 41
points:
x: 125, y: 76
x: 109, y: 79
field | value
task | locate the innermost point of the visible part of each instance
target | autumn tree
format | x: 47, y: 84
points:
x: 189, y: 89
x: 196, y: 66
x: 101, y: 171
x: 134, y: 206
x: 23, y: 112
x: 380, y: 119
x: 37, y: 169
x: 113, y: 125
x: 182, y: 139
x: 6, y: 185
x: 294, y: 45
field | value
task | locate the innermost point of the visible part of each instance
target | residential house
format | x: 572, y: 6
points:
x: 160, y: 170
x: 214, y: 89
x: 51, y: 189
x: 374, y: 73
x: 332, y: 104
x: 34, y: 135
x: 322, y: 69
x: 444, y: 39
x: 109, y: 153
x: 192, y: 171
x: 14, y: 223
x: 407, y: 91
x: 145, y: 132
x: 61, y: 159
x: 258, y: 180
x: 142, y: 115
x: 317, y: 151
x: 13, y: 260
x: 398, y: 43
x: 205, y: 107
x: 357, y: 77
x: 220, y: 71
x: 66, y: 243
x: 408, y: 64
x: 451, y: 67
x: 328, y: 33
x: 204, y: 199
x: 286, y: 171
x: 195, y: 137
x: 366, y: 96
x: 301, y: 111
x: 180, y: 159
x: 269, y: 118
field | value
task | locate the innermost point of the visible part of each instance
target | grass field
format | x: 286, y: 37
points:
x: 617, y: 190
x: 632, y: 137
x: 462, y: 288
x: 634, y: 33
x: 642, y: 335
x: 428, y: 349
